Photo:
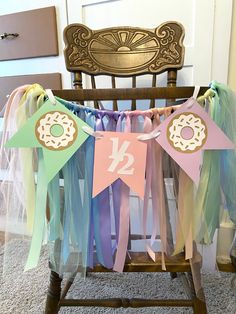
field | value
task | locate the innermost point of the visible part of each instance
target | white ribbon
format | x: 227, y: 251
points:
x: 148, y: 136
x: 51, y: 97
x: 91, y: 132
x: 195, y: 94
x: 143, y: 137
x: 196, y: 91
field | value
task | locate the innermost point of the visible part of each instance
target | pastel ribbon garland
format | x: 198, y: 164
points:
x: 79, y: 227
x: 93, y: 213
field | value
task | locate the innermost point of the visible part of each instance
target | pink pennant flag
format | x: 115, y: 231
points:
x: 189, y: 131
x: 119, y: 155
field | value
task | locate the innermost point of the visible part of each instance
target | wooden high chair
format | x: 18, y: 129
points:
x: 126, y: 52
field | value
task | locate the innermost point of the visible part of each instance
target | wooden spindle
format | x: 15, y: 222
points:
x: 133, y: 106
x: 113, y: 84
x: 94, y: 87
x: 154, y: 83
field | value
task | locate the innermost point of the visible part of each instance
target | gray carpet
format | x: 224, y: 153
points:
x: 24, y: 294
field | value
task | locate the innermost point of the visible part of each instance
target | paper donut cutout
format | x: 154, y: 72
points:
x: 187, y: 132
x: 56, y: 130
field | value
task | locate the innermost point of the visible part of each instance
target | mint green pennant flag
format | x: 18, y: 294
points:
x: 56, y: 130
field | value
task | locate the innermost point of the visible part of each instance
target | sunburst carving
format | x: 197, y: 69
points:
x: 124, y: 41
x: 130, y: 49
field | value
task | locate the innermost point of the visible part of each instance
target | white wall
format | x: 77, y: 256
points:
x: 207, y: 24
x: 232, y: 60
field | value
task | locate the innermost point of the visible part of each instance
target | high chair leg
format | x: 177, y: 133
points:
x: 54, y: 294
x: 199, y: 305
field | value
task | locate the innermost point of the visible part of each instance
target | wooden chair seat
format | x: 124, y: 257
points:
x: 141, y: 262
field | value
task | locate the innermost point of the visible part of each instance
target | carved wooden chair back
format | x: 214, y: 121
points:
x: 124, y: 52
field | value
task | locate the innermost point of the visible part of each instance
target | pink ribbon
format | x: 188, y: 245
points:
x: 158, y: 194
x: 147, y: 129
x: 124, y: 219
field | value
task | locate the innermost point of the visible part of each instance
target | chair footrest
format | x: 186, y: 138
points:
x: 229, y: 267
x: 124, y: 302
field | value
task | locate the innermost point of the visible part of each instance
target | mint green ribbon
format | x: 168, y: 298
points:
x: 39, y: 218
x: 55, y: 226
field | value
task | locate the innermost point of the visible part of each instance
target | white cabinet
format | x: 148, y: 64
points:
x: 38, y: 65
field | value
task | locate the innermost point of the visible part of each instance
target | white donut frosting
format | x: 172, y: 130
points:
x: 66, y: 124
x: 190, y: 121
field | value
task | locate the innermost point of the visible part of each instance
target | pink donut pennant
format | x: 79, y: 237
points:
x: 119, y: 155
x: 186, y: 133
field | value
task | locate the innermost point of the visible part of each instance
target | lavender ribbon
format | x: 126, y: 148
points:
x: 102, y: 221
x: 88, y: 204
x: 116, y: 187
